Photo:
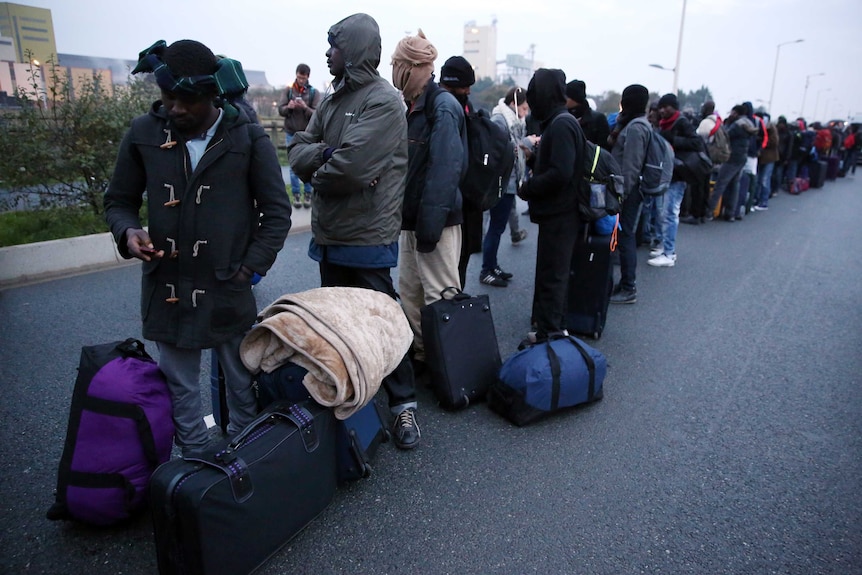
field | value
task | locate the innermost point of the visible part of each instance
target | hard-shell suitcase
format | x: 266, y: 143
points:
x: 228, y: 511
x: 833, y: 165
x: 817, y: 173
x: 120, y: 429
x: 461, y: 348
x: 357, y: 438
x: 590, y: 285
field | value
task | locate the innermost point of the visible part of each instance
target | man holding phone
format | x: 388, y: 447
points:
x: 217, y: 214
x: 298, y: 102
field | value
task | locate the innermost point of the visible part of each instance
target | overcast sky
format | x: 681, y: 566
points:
x: 728, y: 45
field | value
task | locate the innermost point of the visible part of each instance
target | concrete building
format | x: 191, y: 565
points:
x: 31, y: 29
x: 480, y: 49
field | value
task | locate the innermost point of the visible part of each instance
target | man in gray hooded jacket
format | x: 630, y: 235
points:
x: 354, y: 153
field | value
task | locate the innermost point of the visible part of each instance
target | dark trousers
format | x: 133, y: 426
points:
x: 698, y: 189
x: 400, y: 384
x: 627, y: 239
x: 726, y: 184
x: 555, y: 247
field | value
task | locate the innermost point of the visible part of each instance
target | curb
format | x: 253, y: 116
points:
x: 43, y: 261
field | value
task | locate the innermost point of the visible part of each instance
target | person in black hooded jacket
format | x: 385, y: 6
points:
x: 551, y: 194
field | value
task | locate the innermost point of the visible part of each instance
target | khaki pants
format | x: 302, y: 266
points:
x: 422, y: 276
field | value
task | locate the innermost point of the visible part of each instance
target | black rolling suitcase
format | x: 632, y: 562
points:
x: 833, y: 165
x: 357, y: 438
x: 461, y: 348
x: 590, y: 285
x: 227, y: 512
x: 817, y: 173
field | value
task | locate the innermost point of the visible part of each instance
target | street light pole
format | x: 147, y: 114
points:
x: 805, y: 93
x: 678, y: 51
x: 775, y: 70
x: 817, y: 102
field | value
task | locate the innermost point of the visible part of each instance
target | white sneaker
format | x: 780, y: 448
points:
x: 656, y: 252
x: 663, y: 261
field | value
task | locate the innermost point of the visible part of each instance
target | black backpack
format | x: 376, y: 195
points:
x: 490, y: 157
x: 600, y: 181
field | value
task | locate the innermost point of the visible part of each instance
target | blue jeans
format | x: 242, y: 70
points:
x: 652, y: 214
x: 295, y: 184
x: 764, y: 183
x: 670, y: 216
x: 498, y: 218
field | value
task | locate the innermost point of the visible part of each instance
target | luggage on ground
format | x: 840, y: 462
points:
x: 228, y: 511
x: 461, y: 348
x: 120, y: 429
x: 546, y: 377
x: 357, y: 437
x: 817, y: 173
x: 799, y: 185
x: 833, y: 165
x: 590, y: 284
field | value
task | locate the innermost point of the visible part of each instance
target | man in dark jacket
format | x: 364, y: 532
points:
x: 551, y: 194
x: 354, y: 152
x: 456, y: 77
x: 594, y: 124
x: 629, y: 141
x: 676, y: 129
x: 431, y: 219
x: 218, y: 213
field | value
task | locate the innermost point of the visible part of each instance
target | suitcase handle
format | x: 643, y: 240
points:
x: 293, y: 412
x: 458, y: 295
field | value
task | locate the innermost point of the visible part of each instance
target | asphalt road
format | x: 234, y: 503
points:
x: 728, y: 440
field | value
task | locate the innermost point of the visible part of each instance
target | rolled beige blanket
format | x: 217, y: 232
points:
x: 347, y: 338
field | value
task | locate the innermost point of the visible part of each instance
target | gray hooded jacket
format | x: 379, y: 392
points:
x: 359, y: 190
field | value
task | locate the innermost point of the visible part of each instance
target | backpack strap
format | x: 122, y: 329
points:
x: 580, y: 144
x: 430, y: 100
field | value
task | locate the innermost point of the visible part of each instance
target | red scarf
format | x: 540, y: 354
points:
x: 299, y: 90
x: 667, y: 124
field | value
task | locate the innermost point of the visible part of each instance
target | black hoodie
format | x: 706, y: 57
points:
x: 552, y: 189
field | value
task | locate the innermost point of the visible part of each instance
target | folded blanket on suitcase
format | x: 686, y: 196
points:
x: 347, y: 338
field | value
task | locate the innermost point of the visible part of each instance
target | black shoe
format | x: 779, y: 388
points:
x: 624, y: 296
x: 405, y: 430
x: 526, y: 212
x: 297, y: 203
x: 492, y: 279
x: 501, y: 274
x: 519, y: 237
x: 690, y: 220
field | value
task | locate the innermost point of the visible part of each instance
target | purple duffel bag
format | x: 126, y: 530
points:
x: 120, y: 429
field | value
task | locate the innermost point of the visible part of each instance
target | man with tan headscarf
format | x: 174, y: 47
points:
x: 430, y: 244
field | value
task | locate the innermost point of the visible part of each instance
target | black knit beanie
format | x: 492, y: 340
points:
x: 457, y: 72
x: 577, y: 90
x: 635, y: 99
x: 669, y: 100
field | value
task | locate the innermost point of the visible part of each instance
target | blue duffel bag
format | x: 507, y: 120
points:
x: 546, y: 377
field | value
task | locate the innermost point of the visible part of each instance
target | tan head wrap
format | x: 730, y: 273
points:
x: 412, y: 65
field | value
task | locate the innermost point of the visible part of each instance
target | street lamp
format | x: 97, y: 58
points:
x: 660, y: 67
x: 817, y: 102
x: 678, y: 50
x: 775, y: 69
x: 675, y: 69
x: 805, y: 93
